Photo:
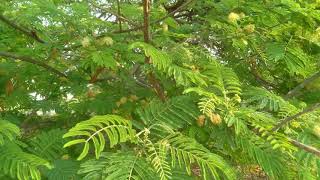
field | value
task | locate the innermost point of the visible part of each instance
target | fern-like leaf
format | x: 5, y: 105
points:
x: 63, y: 170
x: 224, y: 81
x: 94, y: 130
x: 185, y: 151
x: 121, y: 166
x: 8, y: 131
x: 163, y: 62
x: 48, y: 145
x: 264, y: 99
x: 268, y: 159
x: 19, y: 164
x: 158, y: 158
x: 176, y: 113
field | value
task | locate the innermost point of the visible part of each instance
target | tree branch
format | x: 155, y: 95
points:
x: 25, y: 31
x: 307, y: 81
x: 119, y: 13
x: 290, y: 118
x: 147, y: 37
x: 94, y: 77
x: 158, y: 20
x: 32, y: 61
x: 296, y: 143
x: 174, y: 7
x: 305, y: 147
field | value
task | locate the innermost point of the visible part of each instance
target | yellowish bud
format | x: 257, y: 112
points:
x: 249, y: 28
x: 123, y: 100
x: 201, y: 120
x: 233, y: 17
x: 215, y: 119
x: 85, y: 42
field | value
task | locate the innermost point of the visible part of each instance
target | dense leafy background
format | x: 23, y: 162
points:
x: 212, y: 95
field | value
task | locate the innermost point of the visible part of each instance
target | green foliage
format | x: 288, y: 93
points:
x: 63, y: 170
x: 8, y: 131
x: 116, y: 128
x: 121, y: 165
x: 264, y: 99
x: 158, y: 158
x: 164, y: 63
x: 185, y: 151
x: 200, y: 91
x: 48, y: 145
x: 224, y: 81
x: 19, y: 164
x: 176, y: 113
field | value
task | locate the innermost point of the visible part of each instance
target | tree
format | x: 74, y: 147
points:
x: 162, y: 89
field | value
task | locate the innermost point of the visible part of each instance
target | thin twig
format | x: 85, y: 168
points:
x: 30, y: 33
x: 119, y: 13
x: 147, y: 37
x: 158, y: 20
x: 290, y: 118
x: 305, y: 147
x: 303, y: 84
x: 32, y: 61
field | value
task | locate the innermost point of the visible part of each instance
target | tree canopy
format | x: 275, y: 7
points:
x: 159, y: 89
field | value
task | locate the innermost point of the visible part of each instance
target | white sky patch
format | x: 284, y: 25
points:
x: 37, y: 97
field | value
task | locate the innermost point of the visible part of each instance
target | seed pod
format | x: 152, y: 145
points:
x: 201, y: 120
x: 9, y: 87
x: 215, y: 119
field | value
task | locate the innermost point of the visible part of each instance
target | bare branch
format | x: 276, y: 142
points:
x: 147, y: 37
x: 32, y: 61
x: 305, y: 147
x: 119, y: 13
x: 307, y: 81
x: 158, y: 20
x: 290, y: 118
x: 25, y: 31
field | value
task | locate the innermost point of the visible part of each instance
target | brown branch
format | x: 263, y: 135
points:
x: 296, y: 143
x: 307, y: 81
x: 94, y: 77
x: 32, y: 61
x: 262, y: 81
x: 25, y: 31
x: 146, y: 22
x: 119, y: 13
x: 147, y: 37
x: 158, y: 20
x: 305, y: 147
x: 290, y: 118
x: 175, y: 6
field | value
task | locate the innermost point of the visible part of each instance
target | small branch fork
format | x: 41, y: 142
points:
x: 290, y: 118
x: 147, y: 37
x: 32, y: 61
x: 296, y: 143
x: 30, y: 33
x: 307, y: 81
